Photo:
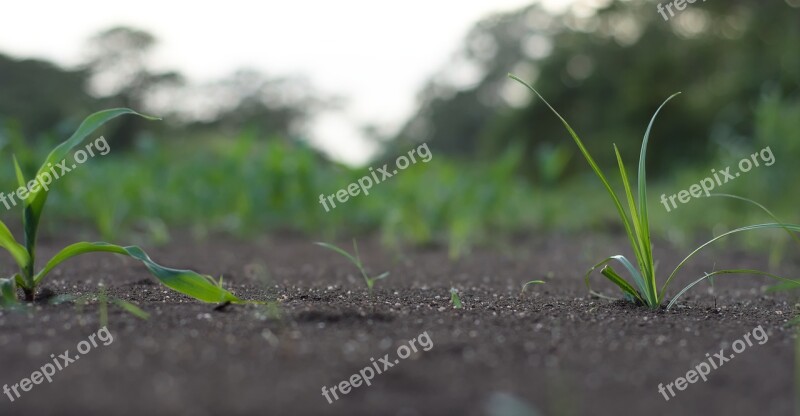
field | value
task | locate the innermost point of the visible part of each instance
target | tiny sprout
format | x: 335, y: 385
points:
x: 454, y: 299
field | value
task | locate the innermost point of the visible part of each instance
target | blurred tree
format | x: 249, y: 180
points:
x: 118, y: 60
x: 250, y: 99
x: 607, y: 71
x: 38, y: 95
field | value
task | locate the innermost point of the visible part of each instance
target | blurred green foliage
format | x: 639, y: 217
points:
x: 502, y: 165
x: 248, y: 186
x: 607, y: 72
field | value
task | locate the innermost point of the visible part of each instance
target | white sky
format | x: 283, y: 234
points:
x: 376, y: 53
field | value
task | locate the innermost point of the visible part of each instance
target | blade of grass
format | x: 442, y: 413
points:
x: 340, y: 251
x: 131, y: 309
x: 729, y: 271
x: 532, y: 282
x: 649, y: 272
x: 643, y: 266
x: 622, y: 283
x: 16, y: 249
x: 792, y: 227
x: 637, y: 277
x: 763, y: 208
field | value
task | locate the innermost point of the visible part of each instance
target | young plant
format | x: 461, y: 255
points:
x: 455, y: 299
x: 637, y: 227
x: 532, y: 282
x: 188, y: 282
x: 370, y: 281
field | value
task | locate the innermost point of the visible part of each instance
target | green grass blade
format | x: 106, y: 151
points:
x: 532, y: 282
x: 643, y: 214
x: 637, y: 276
x: 644, y: 265
x: 730, y: 271
x: 18, y: 172
x: 17, y: 250
x: 340, y: 251
x: 131, y: 309
x: 792, y: 227
x: 361, y: 266
x: 628, y: 192
x: 622, y: 283
x: 187, y: 282
x: 763, y: 208
x: 8, y: 292
x: 780, y: 287
x: 594, y: 166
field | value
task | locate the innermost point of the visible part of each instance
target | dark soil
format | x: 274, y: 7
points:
x: 555, y: 349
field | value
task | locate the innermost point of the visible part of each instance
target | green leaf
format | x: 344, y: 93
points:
x: 784, y: 286
x: 637, y: 276
x: 637, y: 228
x: 622, y: 283
x: 532, y: 282
x: 34, y: 204
x: 131, y: 309
x: 455, y: 299
x: 8, y: 292
x: 16, y: 249
x: 645, y: 221
x: 763, y: 208
x: 791, y: 227
x: 20, y: 176
x: 187, y: 282
x: 730, y: 271
x: 340, y: 251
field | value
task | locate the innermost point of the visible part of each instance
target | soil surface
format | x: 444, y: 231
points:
x: 552, y: 351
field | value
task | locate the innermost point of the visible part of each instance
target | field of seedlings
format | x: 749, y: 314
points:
x: 524, y: 208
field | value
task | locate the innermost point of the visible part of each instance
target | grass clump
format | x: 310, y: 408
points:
x: 645, y: 289
x: 188, y: 282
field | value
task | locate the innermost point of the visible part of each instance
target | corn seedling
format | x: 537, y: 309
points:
x: 356, y: 260
x: 188, y: 282
x: 454, y: 299
x: 637, y: 227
